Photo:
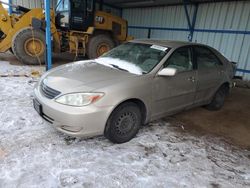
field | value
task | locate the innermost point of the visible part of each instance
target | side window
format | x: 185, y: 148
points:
x: 181, y: 60
x: 205, y: 58
x: 63, y: 5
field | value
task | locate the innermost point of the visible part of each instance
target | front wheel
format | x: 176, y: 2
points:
x: 124, y: 123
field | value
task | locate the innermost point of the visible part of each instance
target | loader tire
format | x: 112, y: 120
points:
x: 98, y: 45
x: 29, y: 46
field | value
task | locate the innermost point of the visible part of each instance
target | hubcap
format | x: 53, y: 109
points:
x: 125, y: 123
x: 102, y: 48
x: 34, y: 47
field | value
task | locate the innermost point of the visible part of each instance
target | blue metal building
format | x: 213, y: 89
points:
x: 223, y: 25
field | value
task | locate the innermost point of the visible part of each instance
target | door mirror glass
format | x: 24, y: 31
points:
x: 167, y: 72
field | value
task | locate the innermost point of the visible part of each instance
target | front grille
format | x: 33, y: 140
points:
x: 49, y: 92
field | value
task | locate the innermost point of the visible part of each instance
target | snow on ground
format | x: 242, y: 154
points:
x: 6, y: 68
x: 34, y: 154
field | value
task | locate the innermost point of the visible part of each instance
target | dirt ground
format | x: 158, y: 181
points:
x: 231, y: 122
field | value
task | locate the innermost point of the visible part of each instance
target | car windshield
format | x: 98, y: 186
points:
x: 136, y: 58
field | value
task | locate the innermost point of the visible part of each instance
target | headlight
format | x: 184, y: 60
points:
x: 79, y: 99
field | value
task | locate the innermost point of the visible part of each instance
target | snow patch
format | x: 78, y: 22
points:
x: 130, y: 67
x: 34, y: 154
x: 7, y: 69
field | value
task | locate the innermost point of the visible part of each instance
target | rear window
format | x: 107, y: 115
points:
x: 206, y: 58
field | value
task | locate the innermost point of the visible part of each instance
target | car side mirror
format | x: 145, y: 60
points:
x: 167, y: 72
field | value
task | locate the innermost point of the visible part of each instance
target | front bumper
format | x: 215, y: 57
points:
x: 75, y: 121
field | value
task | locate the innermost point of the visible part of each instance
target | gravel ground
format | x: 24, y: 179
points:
x: 34, y: 154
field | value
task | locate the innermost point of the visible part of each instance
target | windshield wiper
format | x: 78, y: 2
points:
x: 119, y: 68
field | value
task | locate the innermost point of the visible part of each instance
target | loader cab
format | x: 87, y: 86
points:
x: 75, y: 14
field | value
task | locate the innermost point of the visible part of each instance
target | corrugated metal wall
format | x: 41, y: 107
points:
x: 225, y: 26
x: 160, y: 19
x: 232, y: 16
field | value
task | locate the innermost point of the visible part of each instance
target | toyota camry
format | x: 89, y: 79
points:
x: 131, y: 85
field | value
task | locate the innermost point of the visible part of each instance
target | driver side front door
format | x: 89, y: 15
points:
x: 174, y: 93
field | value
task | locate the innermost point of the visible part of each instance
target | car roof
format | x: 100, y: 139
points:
x: 174, y: 44
x: 166, y: 43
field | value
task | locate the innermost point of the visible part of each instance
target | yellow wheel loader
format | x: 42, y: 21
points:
x: 76, y: 26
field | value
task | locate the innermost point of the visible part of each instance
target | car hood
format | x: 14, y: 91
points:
x: 83, y: 76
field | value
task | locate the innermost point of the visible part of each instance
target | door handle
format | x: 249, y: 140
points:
x: 191, y: 79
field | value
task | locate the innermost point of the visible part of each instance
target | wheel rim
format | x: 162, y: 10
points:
x: 125, y: 123
x: 102, y: 48
x: 34, y: 47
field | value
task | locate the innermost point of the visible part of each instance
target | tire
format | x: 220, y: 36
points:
x: 218, y: 99
x: 98, y: 45
x: 29, y: 50
x: 124, y: 123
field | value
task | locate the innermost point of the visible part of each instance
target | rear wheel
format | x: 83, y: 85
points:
x: 218, y: 99
x: 124, y: 123
x: 29, y: 46
x: 99, y: 44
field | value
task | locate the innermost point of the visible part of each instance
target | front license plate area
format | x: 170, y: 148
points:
x: 37, y: 106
